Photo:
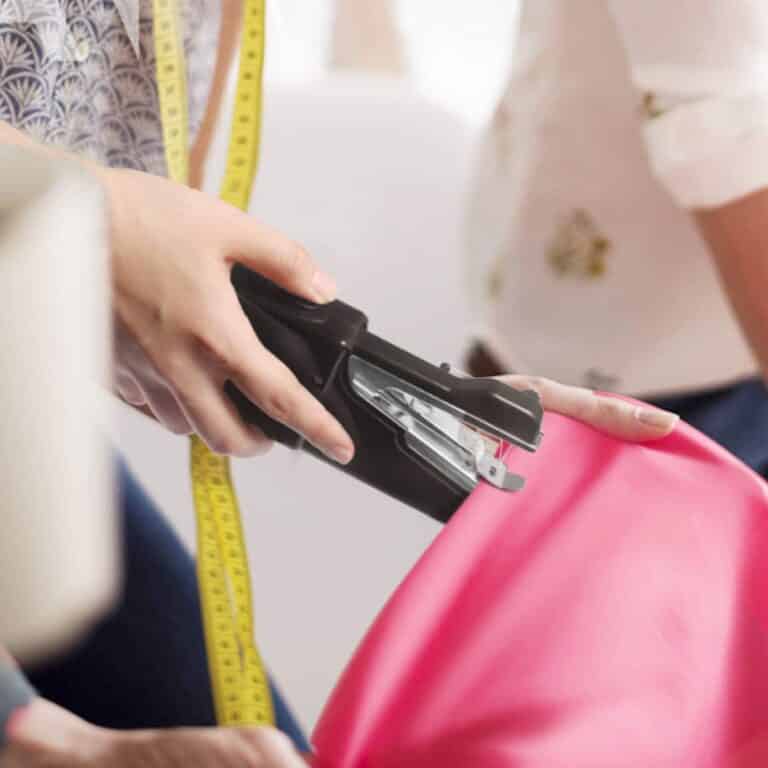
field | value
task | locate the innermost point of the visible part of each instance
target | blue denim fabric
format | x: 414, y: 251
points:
x: 736, y: 417
x: 144, y: 666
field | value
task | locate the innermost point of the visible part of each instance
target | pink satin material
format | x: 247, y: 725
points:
x: 613, y: 614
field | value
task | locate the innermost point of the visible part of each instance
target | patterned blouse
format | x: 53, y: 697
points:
x: 81, y: 74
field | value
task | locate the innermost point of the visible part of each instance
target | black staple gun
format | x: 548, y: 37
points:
x: 422, y: 434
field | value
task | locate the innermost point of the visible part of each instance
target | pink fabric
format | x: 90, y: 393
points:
x: 613, y: 614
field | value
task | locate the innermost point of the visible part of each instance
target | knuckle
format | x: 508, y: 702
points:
x: 261, y: 445
x: 280, y: 405
x: 250, y: 757
x: 522, y: 382
x: 272, y: 741
x: 172, y: 419
x: 179, y: 427
x: 315, y: 428
x: 218, y: 349
x: 228, y: 443
x: 611, y: 410
x: 276, y: 740
x: 588, y: 411
x: 221, y: 443
x: 220, y: 747
x: 171, y: 364
x: 245, y: 449
x: 537, y: 383
x: 510, y: 380
x: 581, y: 404
x: 167, y: 411
x: 296, y: 258
x: 211, y: 316
x: 131, y: 393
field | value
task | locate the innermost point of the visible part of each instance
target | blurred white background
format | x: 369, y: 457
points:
x: 458, y: 53
x: 370, y: 173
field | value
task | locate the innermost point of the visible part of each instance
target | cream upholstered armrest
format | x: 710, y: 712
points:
x: 57, y: 542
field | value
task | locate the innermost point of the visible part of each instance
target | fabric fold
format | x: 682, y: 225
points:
x: 614, y: 613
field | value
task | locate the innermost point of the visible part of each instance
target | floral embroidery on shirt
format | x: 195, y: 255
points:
x: 495, y: 284
x: 501, y: 131
x: 579, y: 247
x: 601, y: 381
x: 651, y: 108
x: 69, y: 76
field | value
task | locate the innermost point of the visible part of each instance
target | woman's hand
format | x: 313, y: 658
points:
x: 612, y: 415
x: 46, y: 736
x: 180, y: 331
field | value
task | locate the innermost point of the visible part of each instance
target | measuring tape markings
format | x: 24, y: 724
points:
x: 239, y: 681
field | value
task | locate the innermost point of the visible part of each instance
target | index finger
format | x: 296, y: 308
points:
x: 270, y: 385
x: 278, y: 258
x: 612, y: 415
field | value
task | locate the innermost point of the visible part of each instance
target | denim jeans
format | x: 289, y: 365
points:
x: 736, y: 417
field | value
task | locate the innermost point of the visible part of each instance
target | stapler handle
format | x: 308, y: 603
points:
x: 312, y: 340
x: 316, y: 343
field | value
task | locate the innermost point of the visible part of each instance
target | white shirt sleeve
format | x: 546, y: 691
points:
x: 703, y: 68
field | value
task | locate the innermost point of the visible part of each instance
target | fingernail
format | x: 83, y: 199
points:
x: 325, y: 286
x: 342, y: 454
x: 656, y: 418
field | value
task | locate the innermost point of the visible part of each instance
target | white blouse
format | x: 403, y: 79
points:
x: 585, y: 265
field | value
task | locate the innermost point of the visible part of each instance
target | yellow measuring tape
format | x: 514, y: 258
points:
x: 240, y: 684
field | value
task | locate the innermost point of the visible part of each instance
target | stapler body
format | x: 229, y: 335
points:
x: 422, y: 434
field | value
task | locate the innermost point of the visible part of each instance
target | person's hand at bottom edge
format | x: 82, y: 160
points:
x: 43, y: 735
